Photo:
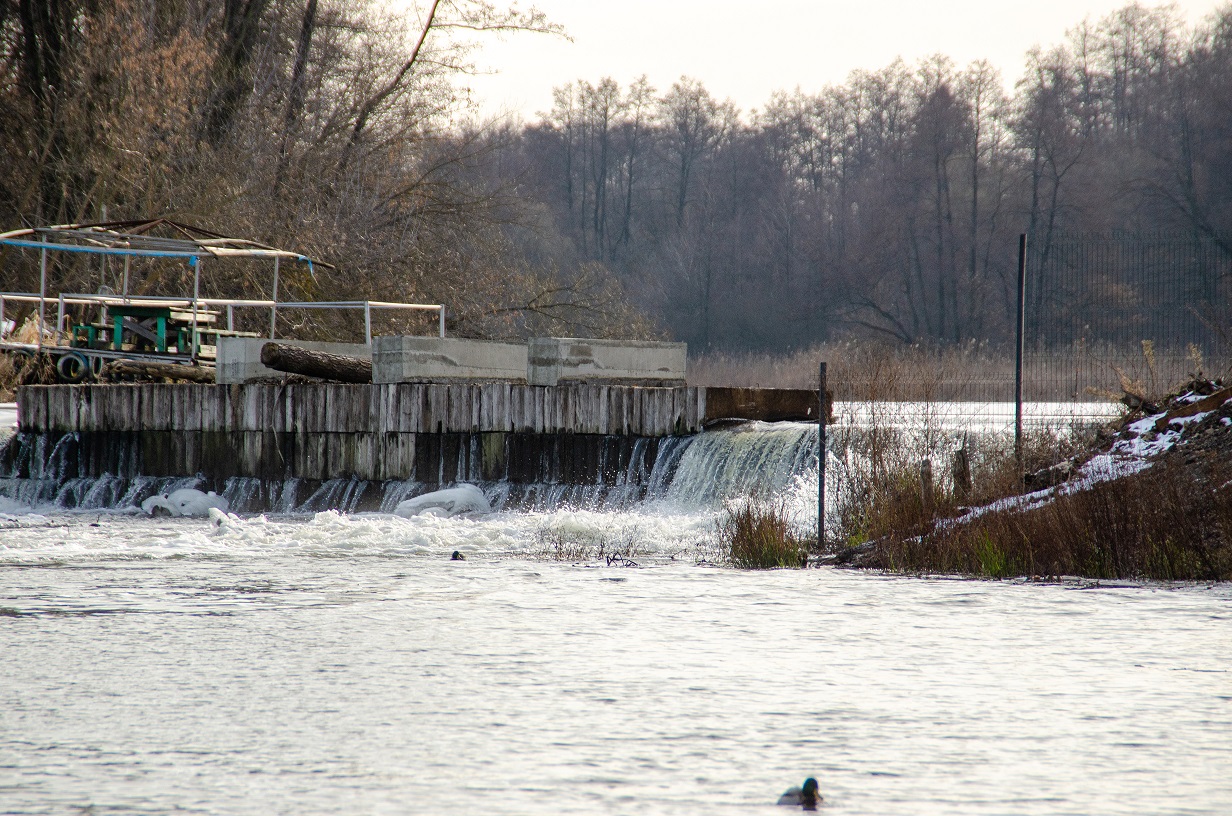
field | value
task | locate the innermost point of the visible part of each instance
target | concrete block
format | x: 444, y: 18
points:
x: 401, y: 359
x: 620, y: 362
x: 239, y: 358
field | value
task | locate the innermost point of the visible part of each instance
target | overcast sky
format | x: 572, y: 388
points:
x: 747, y: 50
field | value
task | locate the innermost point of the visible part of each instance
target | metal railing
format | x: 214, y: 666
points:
x: 197, y: 305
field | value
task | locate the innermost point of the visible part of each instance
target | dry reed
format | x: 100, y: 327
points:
x: 969, y: 372
x: 8, y: 378
x: 757, y: 534
x: 1168, y: 522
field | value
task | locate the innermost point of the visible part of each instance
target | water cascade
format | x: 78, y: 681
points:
x: 695, y: 471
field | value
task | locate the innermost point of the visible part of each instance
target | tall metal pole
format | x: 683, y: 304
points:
x: 192, y: 343
x: 821, y: 456
x: 1021, y: 321
x: 42, y: 296
x: 274, y: 308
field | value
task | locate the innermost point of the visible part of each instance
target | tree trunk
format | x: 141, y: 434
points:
x: 326, y: 366
x: 142, y: 370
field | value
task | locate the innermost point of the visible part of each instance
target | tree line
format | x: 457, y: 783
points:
x: 887, y: 206
x: 325, y: 126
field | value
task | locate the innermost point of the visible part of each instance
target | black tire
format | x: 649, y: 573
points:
x: 97, y: 364
x: 72, y: 368
x: 21, y: 359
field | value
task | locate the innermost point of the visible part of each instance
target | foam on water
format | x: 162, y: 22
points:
x: 653, y: 533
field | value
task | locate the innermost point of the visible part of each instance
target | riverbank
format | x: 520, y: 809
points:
x: 1151, y: 500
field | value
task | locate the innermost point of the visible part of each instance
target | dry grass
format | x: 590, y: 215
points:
x: 8, y: 378
x: 757, y: 534
x: 883, y: 490
x: 973, y: 372
x: 1169, y: 522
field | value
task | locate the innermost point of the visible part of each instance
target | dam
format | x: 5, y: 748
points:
x: 317, y: 446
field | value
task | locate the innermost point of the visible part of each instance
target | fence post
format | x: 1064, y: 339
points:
x: 42, y: 295
x: 821, y: 457
x: 1021, y: 323
x: 274, y: 308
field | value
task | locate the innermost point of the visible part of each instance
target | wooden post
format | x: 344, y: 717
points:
x: 961, y: 471
x: 926, y: 486
x: 822, y: 418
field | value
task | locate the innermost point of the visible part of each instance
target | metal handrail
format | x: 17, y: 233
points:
x: 196, y: 304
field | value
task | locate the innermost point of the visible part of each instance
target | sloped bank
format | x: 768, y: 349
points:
x: 1153, y: 501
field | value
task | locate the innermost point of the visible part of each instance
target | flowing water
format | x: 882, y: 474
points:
x: 332, y: 662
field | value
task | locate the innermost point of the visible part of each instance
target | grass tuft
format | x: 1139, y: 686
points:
x: 757, y: 534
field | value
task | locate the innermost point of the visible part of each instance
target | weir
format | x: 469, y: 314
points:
x: 313, y: 447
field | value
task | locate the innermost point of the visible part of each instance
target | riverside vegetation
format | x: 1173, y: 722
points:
x: 1166, y: 515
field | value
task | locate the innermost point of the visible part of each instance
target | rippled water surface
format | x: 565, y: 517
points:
x: 346, y: 665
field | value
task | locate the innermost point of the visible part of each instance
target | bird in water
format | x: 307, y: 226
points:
x: 806, y: 796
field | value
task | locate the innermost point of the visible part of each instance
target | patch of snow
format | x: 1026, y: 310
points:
x: 1134, y: 452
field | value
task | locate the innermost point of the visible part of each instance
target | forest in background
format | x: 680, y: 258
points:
x: 885, y: 207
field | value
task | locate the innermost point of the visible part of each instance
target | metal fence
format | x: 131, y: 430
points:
x: 1144, y: 310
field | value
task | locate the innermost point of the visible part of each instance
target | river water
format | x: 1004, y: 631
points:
x: 581, y: 661
x: 343, y: 664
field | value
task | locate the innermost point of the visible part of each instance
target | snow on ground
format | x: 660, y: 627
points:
x: 1138, y: 447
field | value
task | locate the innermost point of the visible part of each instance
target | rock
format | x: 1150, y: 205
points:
x: 861, y: 555
x: 1049, y: 476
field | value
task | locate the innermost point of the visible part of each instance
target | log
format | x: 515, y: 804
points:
x: 149, y: 370
x: 321, y: 364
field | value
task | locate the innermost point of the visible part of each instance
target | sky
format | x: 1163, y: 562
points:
x: 747, y: 50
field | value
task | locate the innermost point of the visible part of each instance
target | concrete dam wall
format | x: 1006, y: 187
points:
x: 429, y: 434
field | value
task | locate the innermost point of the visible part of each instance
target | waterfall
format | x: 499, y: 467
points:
x: 696, y: 471
x: 754, y: 459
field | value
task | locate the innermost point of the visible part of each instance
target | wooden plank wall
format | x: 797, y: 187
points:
x: 382, y: 409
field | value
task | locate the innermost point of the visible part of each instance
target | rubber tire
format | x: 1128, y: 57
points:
x: 72, y: 368
x: 21, y: 359
x: 97, y: 364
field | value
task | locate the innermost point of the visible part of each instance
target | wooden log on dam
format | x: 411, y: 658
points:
x: 312, y: 363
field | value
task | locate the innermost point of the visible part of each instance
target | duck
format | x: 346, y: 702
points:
x: 806, y: 796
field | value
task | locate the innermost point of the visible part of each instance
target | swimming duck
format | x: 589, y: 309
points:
x: 806, y: 796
